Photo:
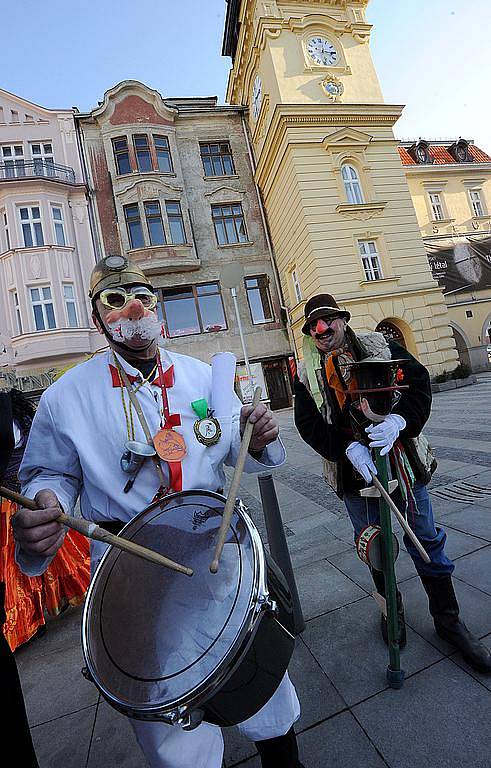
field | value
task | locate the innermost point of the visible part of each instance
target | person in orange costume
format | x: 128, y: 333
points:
x: 66, y: 579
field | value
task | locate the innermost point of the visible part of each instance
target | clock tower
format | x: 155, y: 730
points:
x: 326, y: 163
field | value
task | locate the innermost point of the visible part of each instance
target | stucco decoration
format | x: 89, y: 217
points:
x: 332, y: 87
x: 35, y: 266
x: 361, y: 212
x: 79, y: 212
x: 144, y: 190
x: 224, y: 192
x: 129, y: 98
x: 65, y: 265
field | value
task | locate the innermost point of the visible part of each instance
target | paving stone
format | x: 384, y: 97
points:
x: 351, y: 565
x: 337, y: 743
x: 67, y: 690
x: 64, y: 742
x: 475, y: 607
x: 348, y: 645
x: 459, y: 543
x: 114, y: 742
x: 440, y: 718
x: 475, y: 569
x: 483, y: 679
x: 323, y: 588
x: 475, y: 520
x: 61, y: 632
x: 319, y: 547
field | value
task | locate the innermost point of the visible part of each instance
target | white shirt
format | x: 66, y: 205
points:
x: 79, y: 433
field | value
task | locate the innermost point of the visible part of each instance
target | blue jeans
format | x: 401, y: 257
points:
x: 364, y: 511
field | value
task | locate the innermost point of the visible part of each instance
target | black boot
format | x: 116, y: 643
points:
x: 379, y: 581
x: 445, y: 611
x: 281, y: 752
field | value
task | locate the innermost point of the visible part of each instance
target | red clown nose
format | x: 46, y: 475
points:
x: 321, y: 326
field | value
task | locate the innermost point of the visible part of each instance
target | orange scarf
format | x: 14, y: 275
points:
x: 343, y: 381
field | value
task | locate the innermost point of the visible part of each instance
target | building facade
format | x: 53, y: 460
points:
x: 174, y: 191
x: 450, y: 185
x: 46, y: 250
x: 337, y: 200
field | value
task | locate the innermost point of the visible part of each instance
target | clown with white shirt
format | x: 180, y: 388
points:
x: 83, y: 425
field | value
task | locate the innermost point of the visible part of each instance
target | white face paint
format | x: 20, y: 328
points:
x: 146, y: 329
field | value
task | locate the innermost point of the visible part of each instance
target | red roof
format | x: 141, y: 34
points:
x: 441, y: 155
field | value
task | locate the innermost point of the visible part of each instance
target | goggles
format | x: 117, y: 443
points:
x: 117, y: 298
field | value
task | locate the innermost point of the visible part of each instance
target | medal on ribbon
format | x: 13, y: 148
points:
x: 206, y: 428
x: 170, y: 445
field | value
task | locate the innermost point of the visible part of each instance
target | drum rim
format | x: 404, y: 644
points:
x: 222, y: 669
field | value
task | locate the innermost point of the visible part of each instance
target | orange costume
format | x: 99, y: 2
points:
x: 64, y: 582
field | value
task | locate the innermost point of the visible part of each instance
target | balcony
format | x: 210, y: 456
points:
x: 18, y: 169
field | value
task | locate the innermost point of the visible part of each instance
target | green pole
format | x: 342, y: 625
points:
x: 395, y: 675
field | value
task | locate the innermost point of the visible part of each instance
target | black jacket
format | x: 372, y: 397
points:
x: 331, y: 440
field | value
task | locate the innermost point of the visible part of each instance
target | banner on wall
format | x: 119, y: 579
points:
x: 461, y: 264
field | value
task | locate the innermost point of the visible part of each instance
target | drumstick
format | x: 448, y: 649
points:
x: 403, y: 523
x: 234, y: 486
x: 93, y: 531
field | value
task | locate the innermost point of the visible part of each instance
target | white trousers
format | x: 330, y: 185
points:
x: 169, y: 746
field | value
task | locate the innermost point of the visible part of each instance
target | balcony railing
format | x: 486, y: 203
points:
x: 18, y: 169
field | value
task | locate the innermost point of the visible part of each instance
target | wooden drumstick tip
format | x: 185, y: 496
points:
x: 214, y: 566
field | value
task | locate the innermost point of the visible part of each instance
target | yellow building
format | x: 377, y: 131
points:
x: 450, y: 184
x: 326, y: 163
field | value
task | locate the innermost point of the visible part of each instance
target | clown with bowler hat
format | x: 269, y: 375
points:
x: 324, y: 398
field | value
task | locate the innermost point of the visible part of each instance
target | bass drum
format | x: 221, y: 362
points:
x: 163, y: 646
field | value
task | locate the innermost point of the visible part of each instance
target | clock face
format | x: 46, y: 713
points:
x: 257, y: 95
x: 322, y: 52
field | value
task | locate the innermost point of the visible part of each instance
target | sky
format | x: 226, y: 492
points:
x: 431, y: 56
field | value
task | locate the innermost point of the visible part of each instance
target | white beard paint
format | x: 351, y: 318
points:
x: 147, y: 328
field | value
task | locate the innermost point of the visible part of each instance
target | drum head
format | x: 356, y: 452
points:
x: 153, y: 638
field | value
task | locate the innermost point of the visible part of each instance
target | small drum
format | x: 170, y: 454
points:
x: 368, y: 546
x: 163, y: 646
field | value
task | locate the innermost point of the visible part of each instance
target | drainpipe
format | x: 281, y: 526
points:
x: 90, y: 193
x: 268, y: 240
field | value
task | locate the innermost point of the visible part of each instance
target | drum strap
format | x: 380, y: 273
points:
x: 143, y: 421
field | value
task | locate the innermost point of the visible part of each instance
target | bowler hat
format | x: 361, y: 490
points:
x: 322, y: 305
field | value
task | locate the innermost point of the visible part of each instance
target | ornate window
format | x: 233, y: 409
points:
x: 176, y: 222
x: 58, y: 225
x: 142, y: 153
x: 217, y: 159
x: 16, y: 310
x: 476, y: 203
x: 370, y: 260
x: 121, y: 155
x: 70, y: 305
x: 134, y: 226
x: 155, y: 225
x: 352, y: 185
x: 229, y: 224
x: 32, y: 230
x: 259, y: 298
x: 162, y: 151
x: 42, y: 308
x: 436, y: 206
x: 193, y: 309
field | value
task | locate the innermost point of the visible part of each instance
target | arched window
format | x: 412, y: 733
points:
x: 352, y: 186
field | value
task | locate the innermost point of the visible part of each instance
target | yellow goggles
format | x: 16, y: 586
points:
x: 117, y: 298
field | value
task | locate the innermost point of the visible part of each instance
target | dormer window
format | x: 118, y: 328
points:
x: 421, y: 152
x: 460, y: 151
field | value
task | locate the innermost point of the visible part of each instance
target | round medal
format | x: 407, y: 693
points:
x: 169, y: 445
x: 207, y: 430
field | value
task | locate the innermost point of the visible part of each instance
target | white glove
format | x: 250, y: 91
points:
x: 360, y: 457
x: 384, y: 434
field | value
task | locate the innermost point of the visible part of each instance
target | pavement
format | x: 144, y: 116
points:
x: 350, y: 717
